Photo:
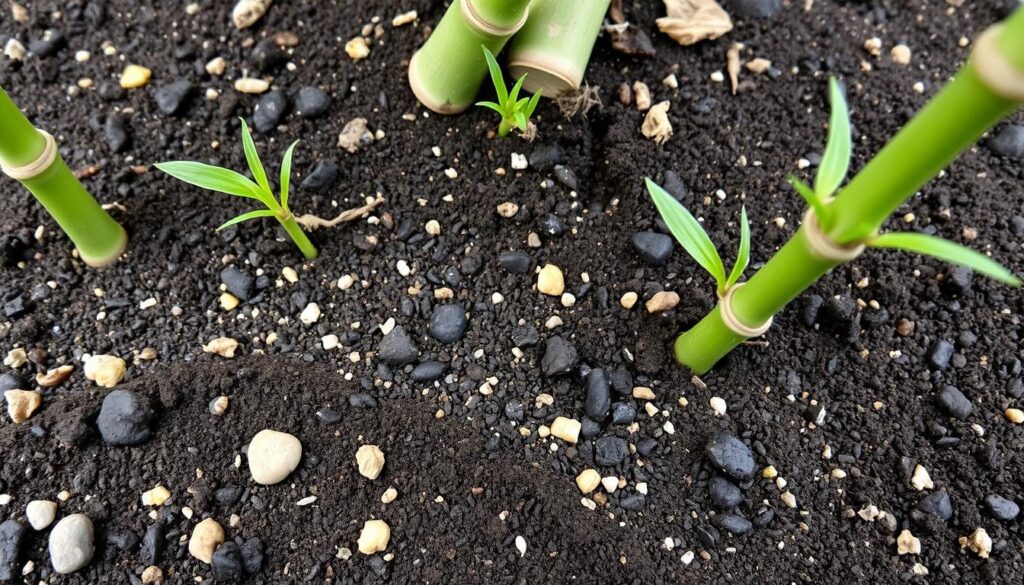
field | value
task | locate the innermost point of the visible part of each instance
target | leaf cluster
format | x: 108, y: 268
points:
x: 515, y: 111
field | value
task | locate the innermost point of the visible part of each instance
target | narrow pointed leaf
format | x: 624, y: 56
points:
x: 513, y: 96
x: 286, y: 174
x: 212, y: 178
x: 688, y: 232
x: 820, y: 209
x: 490, y: 105
x: 496, y: 77
x: 246, y: 217
x: 743, y: 255
x: 836, y: 161
x: 253, y: 158
x: 948, y: 252
x: 521, y: 121
x: 530, y: 107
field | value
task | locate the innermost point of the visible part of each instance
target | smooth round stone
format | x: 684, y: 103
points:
x: 12, y: 537
x: 312, y: 102
x: 397, y: 348
x: 1008, y: 142
x: 610, y: 451
x: 427, y: 371
x: 724, y: 493
x: 1002, y: 508
x: 269, y: 110
x: 124, y: 418
x: 732, y: 523
x: 448, y: 323
x: 40, y: 513
x: 272, y: 456
x: 71, y: 543
x: 937, y: 504
x: 516, y: 262
x: 599, y: 396
x: 953, y: 401
x: 171, y: 97
x: 654, y: 248
x: 321, y: 177
x: 730, y: 455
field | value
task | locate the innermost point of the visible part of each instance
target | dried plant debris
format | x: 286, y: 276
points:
x: 656, y: 125
x: 313, y: 222
x: 579, y: 102
x: 247, y: 12
x: 692, y: 21
x: 733, y: 65
x: 615, y: 12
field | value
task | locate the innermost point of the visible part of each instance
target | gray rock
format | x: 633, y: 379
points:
x: 599, y: 396
x: 238, y: 282
x: 516, y: 262
x: 724, y: 493
x: 448, y: 322
x: 953, y: 401
x: 124, y: 419
x: 312, y: 102
x: 115, y: 131
x: 560, y: 357
x: 71, y: 543
x: 623, y: 413
x: 152, y: 549
x: 227, y: 562
x: 732, y: 523
x: 610, y: 451
x: 427, y: 371
x: 1002, y: 508
x: 1009, y: 142
x: 655, y: 249
x: 730, y: 455
x: 321, y: 177
x: 940, y: 353
x: 937, y: 504
x: 12, y: 536
x: 397, y: 348
x: 171, y: 97
x: 269, y: 111
x: 755, y: 8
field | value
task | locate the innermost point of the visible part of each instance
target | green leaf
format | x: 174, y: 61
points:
x: 948, y: 252
x: 253, y: 158
x: 286, y: 174
x: 213, y: 178
x: 496, y: 77
x: 820, y: 209
x: 492, y: 106
x: 688, y: 232
x: 246, y: 217
x: 743, y: 255
x: 513, y: 96
x: 521, y: 121
x: 836, y: 161
x: 530, y: 107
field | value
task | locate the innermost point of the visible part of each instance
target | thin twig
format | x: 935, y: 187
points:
x: 315, y: 222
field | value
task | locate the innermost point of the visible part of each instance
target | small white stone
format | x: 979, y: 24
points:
x: 216, y: 66
x: 568, y: 299
x: 330, y: 341
x: 389, y: 495
x: 566, y: 429
x: 610, y: 483
x: 40, y: 513
x: 433, y: 227
x: 272, y: 456
x: 357, y: 49
x: 251, y: 85
x: 370, y: 460
x: 921, y: 480
x: 290, y: 274
x: 451, y: 173
x: 16, y: 358
x: 156, y: 496
x: 311, y: 314
x: 588, y: 480
x: 718, y: 405
x: 306, y: 501
x: 222, y: 346
x: 521, y: 546
x: 206, y: 537
x: 71, y: 543
x: 550, y: 281
x: 907, y: 544
x: 519, y: 161
x: 374, y: 537
x: 346, y: 282
x: 403, y: 268
x: 106, y: 370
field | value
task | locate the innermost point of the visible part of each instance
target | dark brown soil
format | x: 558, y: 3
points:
x: 876, y: 386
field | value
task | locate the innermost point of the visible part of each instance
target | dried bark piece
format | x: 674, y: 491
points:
x: 692, y: 21
x: 656, y: 125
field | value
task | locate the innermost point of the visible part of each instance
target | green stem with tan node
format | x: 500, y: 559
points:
x: 838, y: 229
x: 30, y: 156
x: 447, y: 71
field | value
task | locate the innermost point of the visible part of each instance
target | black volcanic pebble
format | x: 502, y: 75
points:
x: 566, y: 176
x: 646, y: 446
x: 937, y: 504
x: 622, y: 381
x: 599, y: 396
x: 560, y: 357
x: 730, y: 455
x: 515, y: 411
x: 654, y: 248
x: 47, y: 46
x: 328, y: 416
x: 152, y: 549
x: 610, y: 451
x: 954, y: 403
x: 171, y: 97
x: 267, y: 56
x: 124, y: 419
x: 589, y: 429
x: 397, y: 348
x: 959, y: 280
x: 115, y: 131
x: 674, y: 185
x: 227, y: 562
x: 11, y: 381
x: 448, y: 323
x: 623, y: 413
x: 545, y: 156
x: 1002, y: 508
x: 252, y: 556
x: 732, y: 523
x: 362, y: 400
x: 516, y: 262
x: 724, y: 493
x: 321, y: 177
x: 12, y: 535
x: 525, y: 336
x: 427, y: 371
x: 939, y: 354
x: 809, y: 310
x: 238, y: 282
x: 1009, y: 142
x: 632, y: 503
x: 312, y: 102
x: 755, y: 8
x: 269, y: 111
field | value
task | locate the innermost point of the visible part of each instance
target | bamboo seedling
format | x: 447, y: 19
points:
x: 515, y: 111
x: 30, y: 156
x: 840, y: 223
x: 447, y: 71
x: 232, y: 183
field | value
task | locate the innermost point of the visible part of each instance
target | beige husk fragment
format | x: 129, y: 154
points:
x: 579, y: 102
x: 692, y: 21
x: 733, y: 65
x: 314, y: 222
x: 656, y: 125
x: 247, y: 12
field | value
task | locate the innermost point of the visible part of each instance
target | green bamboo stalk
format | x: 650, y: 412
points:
x: 554, y: 47
x: 952, y: 121
x: 446, y: 73
x: 100, y: 240
x: 299, y: 237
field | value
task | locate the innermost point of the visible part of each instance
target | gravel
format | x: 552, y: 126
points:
x: 12, y: 536
x: 397, y: 348
x: 448, y: 323
x: 1008, y: 142
x: 954, y: 403
x: 730, y: 455
x: 732, y: 523
x: 71, y: 543
x: 269, y: 111
x: 321, y: 177
x: 1002, y: 508
x: 172, y: 97
x: 124, y: 419
x: 238, y: 283
x: 516, y: 262
x: 937, y: 504
x: 560, y: 357
x: 655, y: 249
x: 599, y: 396
x: 610, y: 451
x: 227, y: 562
x: 312, y: 102
x: 724, y: 493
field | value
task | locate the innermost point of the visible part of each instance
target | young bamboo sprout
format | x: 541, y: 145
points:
x: 446, y: 73
x: 228, y: 181
x: 838, y: 230
x: 515, y: 111
x: 554, y: 46
x: 30, y: 156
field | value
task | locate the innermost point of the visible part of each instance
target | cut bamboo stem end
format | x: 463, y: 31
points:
x: 554, y: 47
x: 447, y: 72
x: 994, y: 67
x: 733, y: 322
x: 121, y: 244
